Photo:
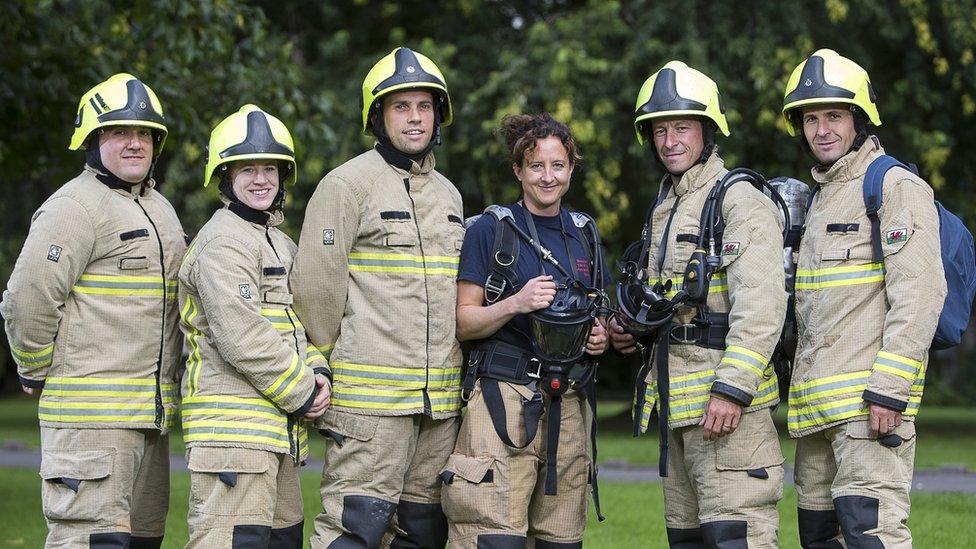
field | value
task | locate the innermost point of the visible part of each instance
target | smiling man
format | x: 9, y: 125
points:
x: 865, y: 325
x: 91, y: 316
x: 711, y: 379
x: 374, y: 283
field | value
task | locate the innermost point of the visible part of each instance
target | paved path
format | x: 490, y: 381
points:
x: 947, y: 479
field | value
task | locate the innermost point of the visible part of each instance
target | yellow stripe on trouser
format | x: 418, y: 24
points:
x: 818, y: 279
x: 100, y: 400
x: 126, y: 285
x: 836, y: 398
x: 718, y: 284
x: 403, y: 263
x: 193, y: 361
x: 30, y: 360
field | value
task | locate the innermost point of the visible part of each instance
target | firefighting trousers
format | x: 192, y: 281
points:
x: 851, y: 487
x: 104, y: 488
x: 380, y: 486
x: 243, y: 498
x: 722, y: 493
x: 494, y: 495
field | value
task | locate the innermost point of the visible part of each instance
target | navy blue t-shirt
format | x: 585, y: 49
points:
x: 479, y: 242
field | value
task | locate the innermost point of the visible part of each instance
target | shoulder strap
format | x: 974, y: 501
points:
x: 872, y: 189
x: 591, y: 235
x: 502, y: 278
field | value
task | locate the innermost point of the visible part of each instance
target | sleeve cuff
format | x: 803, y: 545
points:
x: 885, y: 401
x: 31, y: 383
x: 325, y: 371
x: 308, y: 403
x: 736, y: 395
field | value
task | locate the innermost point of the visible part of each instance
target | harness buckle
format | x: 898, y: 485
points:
x: 493, y: 289
x: 537, y: 374
x: 686, y: 334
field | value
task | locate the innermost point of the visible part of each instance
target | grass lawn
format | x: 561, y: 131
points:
x: 946, y: 436
x: 634, y: 511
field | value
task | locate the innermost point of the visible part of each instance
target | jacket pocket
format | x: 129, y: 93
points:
x: 218, y: 471
x: 77, y: 485
x: 351, y: 452
x: 133, y: 263
x: 400, y: 232
x: 873, y: 460
x: 278, y: 298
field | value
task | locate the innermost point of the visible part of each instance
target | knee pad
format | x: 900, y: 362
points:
x: 685, y: 538
x: 250, y: 535
x: 424, y: 524
x: 543, y: 544
x: 365, y: 520
x: 289, y: 537
x: 109, y: 540
x: 725, y: 534
x: 818, y: 529
x: 858, y: 514
x: 140, y: 542
x: 500, y: 541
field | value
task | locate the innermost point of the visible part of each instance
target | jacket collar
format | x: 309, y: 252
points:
x: 261, y: 218
x: 699, y: 175
x: 851, y: 166
x: 117, y: 184
x: 404, y: 164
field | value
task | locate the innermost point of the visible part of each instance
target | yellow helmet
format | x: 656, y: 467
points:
x: 404, y: 69
x: 122, y: 100
x: 248, y: 134
x: 827, y: 77
x: 676, y: 90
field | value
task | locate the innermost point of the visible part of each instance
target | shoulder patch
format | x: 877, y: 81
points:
x: 54, y: 253
x: 896, y: 235
x: 730, y: 248
x: 245, y: 290
x: 328, y: 237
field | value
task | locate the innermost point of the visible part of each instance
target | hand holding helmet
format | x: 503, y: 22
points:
x: 537, y: 293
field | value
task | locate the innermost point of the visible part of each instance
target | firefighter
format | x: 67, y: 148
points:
x: 865, y: 320
x: 528, y: 485
x: 374, y: 283
x: 710, y: 378
x: 91, y: 317
x: 249, y: 375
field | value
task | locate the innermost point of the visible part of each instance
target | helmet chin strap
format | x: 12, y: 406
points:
x: 227, y: 189
x: 379, y: 131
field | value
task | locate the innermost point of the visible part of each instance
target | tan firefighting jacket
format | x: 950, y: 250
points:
x: 249, y: 376
x: 864, y: 328
x: 375, y: 284
x: 90, y: 307
x: 749, y: 286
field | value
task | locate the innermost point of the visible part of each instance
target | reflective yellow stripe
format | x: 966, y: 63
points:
x: 126, y: 285
x: 283, y: 386
x: 312, y: 355
x: 818, y: 279
x: 347, y: 372
x: 236, y: 437
x: 229, y: 400
x: 282, y: 319
x: 378, y: 398
x: 718, y: 284
x: 897, y: 365
x: 403, y: 263
x: 193, y: 361
x: 234, y: 425
x: 30, y: 360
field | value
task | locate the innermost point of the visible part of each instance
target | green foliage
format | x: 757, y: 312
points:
x: 581, y: 60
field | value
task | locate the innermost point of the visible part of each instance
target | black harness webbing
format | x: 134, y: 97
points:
x: 531, y: 412
x: 552, y: 442
x: 664, y: 392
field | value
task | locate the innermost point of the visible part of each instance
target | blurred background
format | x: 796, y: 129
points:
x: 582, y: 61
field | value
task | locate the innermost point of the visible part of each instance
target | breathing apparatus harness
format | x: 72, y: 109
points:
x: 559, y: 335
x: 645, y: 310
